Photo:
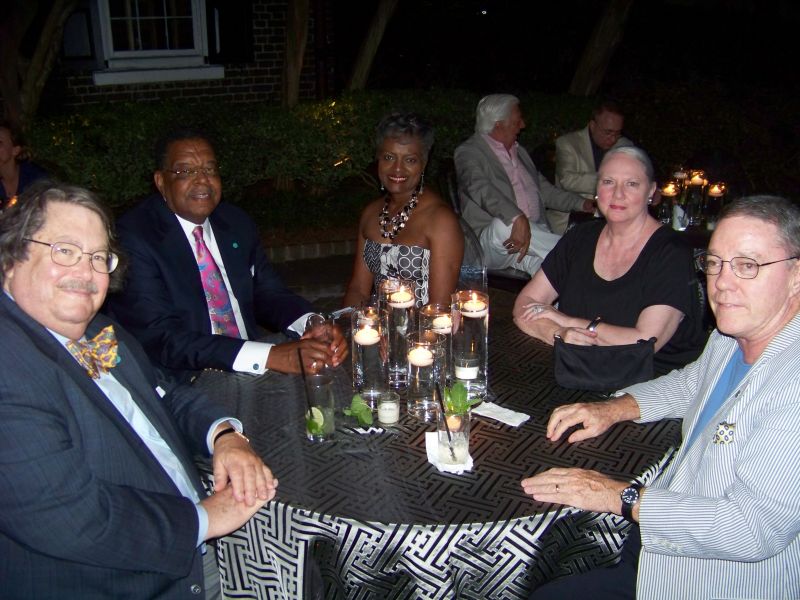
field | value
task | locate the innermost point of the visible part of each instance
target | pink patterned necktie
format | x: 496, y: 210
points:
x: 217, y: 298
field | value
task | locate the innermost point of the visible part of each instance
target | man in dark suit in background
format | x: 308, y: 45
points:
x: 199, y: 284
x: 100, y: 497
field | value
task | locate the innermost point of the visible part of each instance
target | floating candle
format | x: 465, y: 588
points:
x: 716, y: 190
x: 401, y: 299
x: 474, y: 308
x: 367, y: 336
x: 442, y: 324
x: 698, y: 178
x: 420, y: 357
x: 466, y: 367
x: 669, y: 190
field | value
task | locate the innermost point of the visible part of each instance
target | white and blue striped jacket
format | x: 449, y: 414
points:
x: 723, y: 519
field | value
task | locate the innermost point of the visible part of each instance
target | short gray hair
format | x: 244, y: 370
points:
x: 27, y: 217
x: 637, y: 154
x: 779, y: 211
x: 399, y: 125
x: 491, y: 109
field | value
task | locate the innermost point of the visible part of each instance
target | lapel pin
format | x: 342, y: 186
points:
x: 724, y: 433
x: 235, y: 244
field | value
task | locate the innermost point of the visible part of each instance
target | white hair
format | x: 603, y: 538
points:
x: 491, y: 109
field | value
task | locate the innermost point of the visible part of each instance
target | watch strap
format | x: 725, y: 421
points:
x: 627, y: 507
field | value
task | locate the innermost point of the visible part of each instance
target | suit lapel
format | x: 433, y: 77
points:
x: 498, y: 173
x: 236, y: 265
x: 180, y: 264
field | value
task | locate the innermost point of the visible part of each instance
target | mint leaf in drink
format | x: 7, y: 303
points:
x: 456, y: 399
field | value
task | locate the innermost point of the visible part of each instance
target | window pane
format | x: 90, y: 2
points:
x: 153, y: 35
x: 181, y: 34
x: 121, y: 8
x: 151, y: 25
x: 151, y: 8
x: 123, y: 36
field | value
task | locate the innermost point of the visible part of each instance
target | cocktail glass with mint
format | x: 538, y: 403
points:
x: 320, y: 411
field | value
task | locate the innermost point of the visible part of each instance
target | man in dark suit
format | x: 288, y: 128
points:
x: 100, y: 496
x: 167, y: 302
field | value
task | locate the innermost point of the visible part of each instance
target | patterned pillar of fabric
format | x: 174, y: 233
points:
x: 217, y: 297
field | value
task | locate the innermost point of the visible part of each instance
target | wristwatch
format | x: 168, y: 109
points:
x: 629, y: 497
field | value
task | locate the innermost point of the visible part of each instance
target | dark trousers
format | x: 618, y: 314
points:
x: 617, y: 582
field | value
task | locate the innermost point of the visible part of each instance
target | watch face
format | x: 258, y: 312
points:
x: 630, y: 495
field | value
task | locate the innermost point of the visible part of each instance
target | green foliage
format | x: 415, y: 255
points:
x: 315, y: 158
x: 456, y: 400
x: 360, y: 410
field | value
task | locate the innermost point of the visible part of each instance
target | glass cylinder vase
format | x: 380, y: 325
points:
x: 470, y: 341
x: 399, y: 313
x: 368, y: 341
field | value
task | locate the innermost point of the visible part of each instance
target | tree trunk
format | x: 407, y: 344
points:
x: 296, y: 37
x: 44, y: 56
x: 372, y: 40
x: 22, y: 80
x: 600, y: 48
x: 16, y: 18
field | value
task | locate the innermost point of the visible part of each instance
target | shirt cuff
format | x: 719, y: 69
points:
x: 202, y: 523
x: 235, y: 423
x: 252, y: 358
x: 299, y: 326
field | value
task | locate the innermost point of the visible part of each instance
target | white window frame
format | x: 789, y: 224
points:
x: 144, y: 66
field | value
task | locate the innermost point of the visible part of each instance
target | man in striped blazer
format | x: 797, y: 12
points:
x: 723, y: 520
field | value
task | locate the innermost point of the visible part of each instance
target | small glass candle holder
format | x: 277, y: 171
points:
x: 388, y: 404
x: 369, y: 353
x: 438, y: 319
x: 470, y: 341
x: 398, y: 303
x: 425, y: 373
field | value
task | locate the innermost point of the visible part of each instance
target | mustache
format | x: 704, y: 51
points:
x: 82, y: 286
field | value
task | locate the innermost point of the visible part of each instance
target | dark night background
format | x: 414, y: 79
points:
x: 736, y: 53
x: 489, y: 45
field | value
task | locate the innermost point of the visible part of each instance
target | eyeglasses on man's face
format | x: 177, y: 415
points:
x: 69, y: 255
x: 193, y: 172
x: 742, y: 267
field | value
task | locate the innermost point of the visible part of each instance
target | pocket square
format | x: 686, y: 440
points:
x: 724, y: 433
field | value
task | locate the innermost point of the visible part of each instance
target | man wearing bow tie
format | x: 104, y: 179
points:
x: 723, y: 519
x: 100, y: 497
x: 199, y: 284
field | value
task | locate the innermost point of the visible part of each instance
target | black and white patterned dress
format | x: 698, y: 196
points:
x: 397, y: 260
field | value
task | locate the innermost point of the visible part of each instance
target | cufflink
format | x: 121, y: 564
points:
x: 724, y: 433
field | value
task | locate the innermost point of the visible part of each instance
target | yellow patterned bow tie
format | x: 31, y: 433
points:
x: 98, y: 353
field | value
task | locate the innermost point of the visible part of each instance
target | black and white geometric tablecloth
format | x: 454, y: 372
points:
x: 366, y: 516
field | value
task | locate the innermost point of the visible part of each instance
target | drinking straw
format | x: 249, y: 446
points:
x: 444, y: 418
x: 305, y: 387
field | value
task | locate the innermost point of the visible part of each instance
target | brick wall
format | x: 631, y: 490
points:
x: 259, y: 80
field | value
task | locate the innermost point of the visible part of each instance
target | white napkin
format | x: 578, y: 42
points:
x: 504, y: 415
x: 432, y: 448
